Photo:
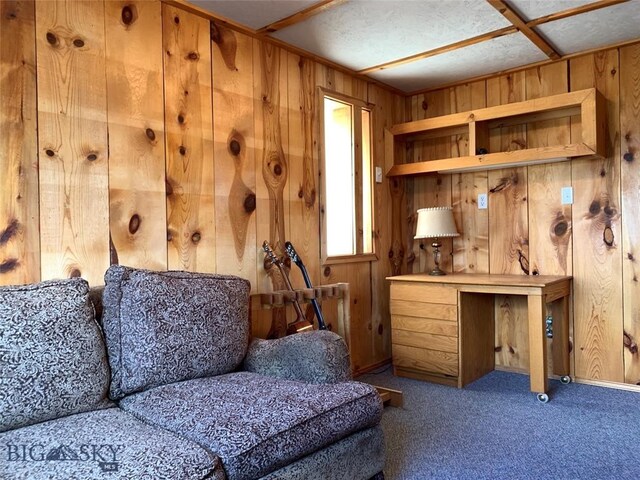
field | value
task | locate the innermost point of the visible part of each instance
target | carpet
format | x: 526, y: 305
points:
x: 495, y: 428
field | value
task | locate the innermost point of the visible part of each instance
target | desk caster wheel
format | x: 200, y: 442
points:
x: 542, y: 397
x: 565, y: 379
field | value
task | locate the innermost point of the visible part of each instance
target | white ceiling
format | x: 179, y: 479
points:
x: 360, y: 34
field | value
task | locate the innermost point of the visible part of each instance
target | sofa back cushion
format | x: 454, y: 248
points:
x: 165, y: 327
x: 52, y: 355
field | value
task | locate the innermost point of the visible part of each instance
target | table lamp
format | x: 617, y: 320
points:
x: 436, y: 222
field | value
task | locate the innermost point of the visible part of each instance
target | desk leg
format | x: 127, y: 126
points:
x: 537, y: 344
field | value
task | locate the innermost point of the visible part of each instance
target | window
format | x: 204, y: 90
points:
x: 347, y: 179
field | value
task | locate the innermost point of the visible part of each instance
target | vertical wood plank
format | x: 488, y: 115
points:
x: 189, y: 142
x: 598, y: 323
x: 508, y: 226
x: 270, y: 80
x: 234, y: 153
x: 471, y: 248
x: 138, y: 216
x: 72, y: 139
x: 550, y: 246
x: 19, y: 208
x: 630, y: 138
x: 303, y: 159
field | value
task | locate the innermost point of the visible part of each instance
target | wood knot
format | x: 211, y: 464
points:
x: 134, y: 223
x: 511, y: 350
x: 380, y: 329
x: 277, y: 169
x: 249, y: 203
x: 193, y: 56
x: 181, y: 119
x: 151, y: 135
x: 78, y: 42
x: 182, y: 150
x: 168, y: 187
x: 629, y: 256
x: 129, y: 14
x: 608, y: 211
x: 169, y: 236
x: 327, y: 271
x: 52, y: 38
x: 390, y: 254
x: 234, y: 147
x: 92, y: 157
x: 628, y: 157
x: 607, y: 236
x: 176, y: 19
x: 524, y: 262
x: 561, y: 228
x: 196, y: 237
x: 595, y: 207
x: 75, y: 273
x: 613, y: 71
x: 214, y: 33
x: 425, y: 105
x: 603, y: 172
x: 11, y: 16
x: 10, y: 231
x: 8, y: 265
x: 49, y: 152
x: 300, y: 192
x: 498, y: 348
x: 535, y: 272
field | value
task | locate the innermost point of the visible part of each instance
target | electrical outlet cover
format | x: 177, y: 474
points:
x: 482, y: 201
x: 378, y: 175
x: 566, y: 195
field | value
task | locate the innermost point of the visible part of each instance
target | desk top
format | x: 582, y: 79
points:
x: 485, y: 279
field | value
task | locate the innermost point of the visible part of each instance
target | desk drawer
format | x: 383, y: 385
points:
x: 425, y: 310
x: 425, y: 325
x: 424, y: 340
x: 419, y: 292
x: 422, y: 359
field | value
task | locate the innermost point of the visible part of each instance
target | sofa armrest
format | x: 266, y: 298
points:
x: 315, y: 357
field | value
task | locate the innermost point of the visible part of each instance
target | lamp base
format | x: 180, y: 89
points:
x: 436, y: 271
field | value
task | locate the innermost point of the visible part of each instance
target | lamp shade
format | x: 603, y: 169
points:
x: 436, y: 222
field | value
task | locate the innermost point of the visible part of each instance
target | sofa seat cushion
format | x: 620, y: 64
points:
x: 165, y: 327
x: 102, y: 444
x: 257, y: 424
x: 53, y: 360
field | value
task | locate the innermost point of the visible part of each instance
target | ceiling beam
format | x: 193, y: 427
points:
x: 299, y: 16
x: 522, y: 67
x: 437, y: 51
x: 521, y: 25
x: 570, y: 12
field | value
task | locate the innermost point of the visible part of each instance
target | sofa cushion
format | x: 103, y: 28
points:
x: 165, y: 327
x: 257, y: 424
x: 52, y: 354
x: 103, y: 444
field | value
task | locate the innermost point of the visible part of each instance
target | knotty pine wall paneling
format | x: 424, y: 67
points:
x: 135, y: 111
x: 191, y: 234
x: 19, y: 205
x: 234, y: 153
x: 630, y: 172
x: 597, y: 285
x: 72, y: 139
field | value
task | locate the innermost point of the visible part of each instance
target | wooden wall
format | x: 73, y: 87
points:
x: 137, y: 133
x: 527, y: 230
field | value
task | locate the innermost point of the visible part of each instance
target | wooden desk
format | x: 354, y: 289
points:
x: 442, y: 328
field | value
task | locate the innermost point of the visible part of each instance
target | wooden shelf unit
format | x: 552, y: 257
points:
x: 589, y: 104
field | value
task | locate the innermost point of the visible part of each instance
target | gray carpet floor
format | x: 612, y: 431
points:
x: 495, y: 428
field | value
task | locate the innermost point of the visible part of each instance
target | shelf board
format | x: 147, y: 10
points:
x: 529, y: 156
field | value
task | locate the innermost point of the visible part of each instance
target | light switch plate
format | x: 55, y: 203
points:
x: 482, y: 201
x: 378, y: 174
x: 566, y: 195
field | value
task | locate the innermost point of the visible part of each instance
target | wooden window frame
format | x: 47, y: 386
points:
x: 358, y: 105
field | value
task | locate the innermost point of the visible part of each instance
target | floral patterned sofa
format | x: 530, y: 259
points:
x: 165, y: 384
